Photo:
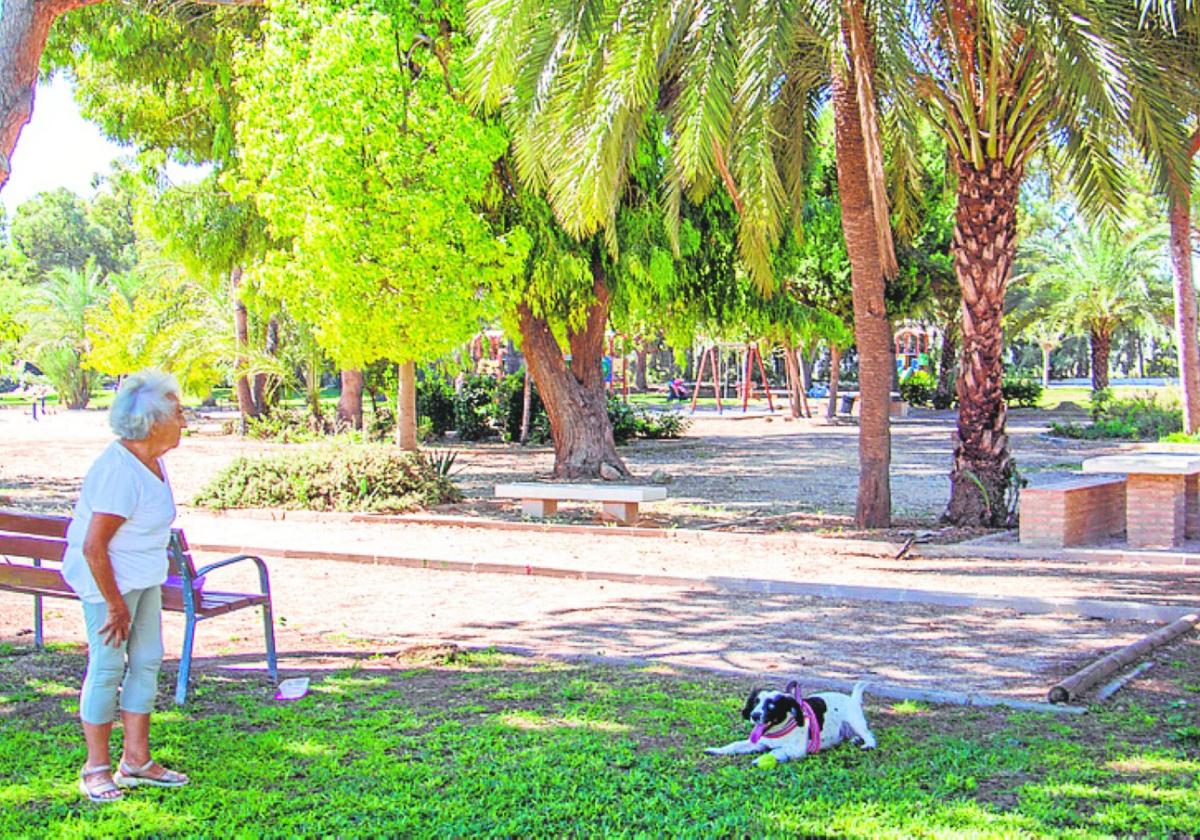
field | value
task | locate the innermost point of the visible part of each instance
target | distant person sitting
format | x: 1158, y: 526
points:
x: 676, y: 390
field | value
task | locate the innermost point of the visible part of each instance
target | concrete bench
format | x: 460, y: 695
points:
x: 619, y: 501
x: 1073, y: 511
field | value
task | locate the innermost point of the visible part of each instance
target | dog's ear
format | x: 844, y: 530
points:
x: 787, y: 703
x: 751, y: 702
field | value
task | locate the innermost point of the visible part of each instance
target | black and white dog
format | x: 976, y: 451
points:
x: 785, y: 728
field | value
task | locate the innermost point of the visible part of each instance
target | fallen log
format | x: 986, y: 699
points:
x: 1079, y: 682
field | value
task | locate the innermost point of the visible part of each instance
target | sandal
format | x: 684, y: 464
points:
x: 103, y: 792
x: 133, y: 776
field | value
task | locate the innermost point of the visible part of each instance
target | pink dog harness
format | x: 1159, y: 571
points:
x: 810, y: 717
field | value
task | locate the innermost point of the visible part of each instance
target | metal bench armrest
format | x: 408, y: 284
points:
x: 263, y: 578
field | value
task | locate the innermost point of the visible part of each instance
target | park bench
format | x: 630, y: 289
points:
x: 1073, y: 511
x: 619, y: 501
x: 28, y: 540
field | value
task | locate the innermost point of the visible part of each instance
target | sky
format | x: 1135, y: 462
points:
x: 59, y: 148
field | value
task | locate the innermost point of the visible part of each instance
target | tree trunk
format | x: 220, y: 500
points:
x: 947, y: 362
x: 350, y: 403
x: 526, y: 407
x: 24, y: 27
x: 872, y: 332
x: 793, y: 380
x: 574, y: 395
x: 985, y: 227
x: 247, y: 407
x: 1046, y: 350
x: 406, y: 406
x: 640, y: 376
x: 835, y: 373
x: 804, y: 373
x: 264, y: 394
x: 1101, y: 344
x: 1185, y: 309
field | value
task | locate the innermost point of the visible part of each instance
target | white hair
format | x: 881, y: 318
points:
x: 142, y: 401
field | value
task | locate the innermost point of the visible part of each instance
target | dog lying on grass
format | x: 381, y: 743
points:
x: 790, y: 727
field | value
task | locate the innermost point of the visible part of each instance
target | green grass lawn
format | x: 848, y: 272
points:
x: 483, y: 744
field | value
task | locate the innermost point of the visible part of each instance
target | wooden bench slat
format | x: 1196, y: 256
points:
x: 217, y: 603
x: 37, y: 524
x: 37, y: 548
x: 23, y: 578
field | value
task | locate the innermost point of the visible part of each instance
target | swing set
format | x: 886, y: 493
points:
x: 710, y: 359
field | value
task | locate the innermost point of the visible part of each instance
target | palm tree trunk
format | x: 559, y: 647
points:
x: 985, y: 228
x: 872, y: 332
x: 406, y: 407
x: 1101, y: 344
x: 1185, y: 307
x: 350, y: 402
x: 1046, y: 349
x: 574, y: 394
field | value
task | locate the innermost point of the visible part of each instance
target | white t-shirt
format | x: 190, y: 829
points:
x: 120, y: 484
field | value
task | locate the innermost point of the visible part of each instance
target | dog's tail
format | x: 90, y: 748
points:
x: 857, y: 694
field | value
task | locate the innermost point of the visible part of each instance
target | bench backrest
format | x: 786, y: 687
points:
x: 42, y: 538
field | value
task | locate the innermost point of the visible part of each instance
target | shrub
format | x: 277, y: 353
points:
x: 473, y: 408
x: 943, y: 400
x: 284, y: 425
x: 382, y: 424
x: 918, y: 388
x: 362, y: 478
x: 1021, y: 390
x: 435, y: 401
x: 511, y: 405
x: 662, y: 425
x: 624, y: 421
x: 1137, y: 418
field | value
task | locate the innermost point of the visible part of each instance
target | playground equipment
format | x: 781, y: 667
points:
x: 710, y: 359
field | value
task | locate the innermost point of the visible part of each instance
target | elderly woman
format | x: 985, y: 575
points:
x: 116, y: 561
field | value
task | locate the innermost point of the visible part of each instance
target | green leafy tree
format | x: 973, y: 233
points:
x: 378, y: 190
x: 53, y: 229
x: 159, y: 75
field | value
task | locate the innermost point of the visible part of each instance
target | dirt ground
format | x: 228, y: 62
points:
x: 727, y: 471
x: 757, y: 472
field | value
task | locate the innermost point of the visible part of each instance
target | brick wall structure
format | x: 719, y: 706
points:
x: 1074, y: 511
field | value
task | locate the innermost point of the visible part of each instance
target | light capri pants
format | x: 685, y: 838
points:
x: 131, y: 666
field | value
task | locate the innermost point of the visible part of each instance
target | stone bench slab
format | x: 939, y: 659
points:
x: 581, y: 492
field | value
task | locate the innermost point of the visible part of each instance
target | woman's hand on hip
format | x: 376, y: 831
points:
x: 115, y: 630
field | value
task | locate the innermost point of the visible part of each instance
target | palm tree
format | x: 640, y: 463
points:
x: 1003, y: 80
x: 739, y: 84
x: 58, y: 332
x: 1096, y: 280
